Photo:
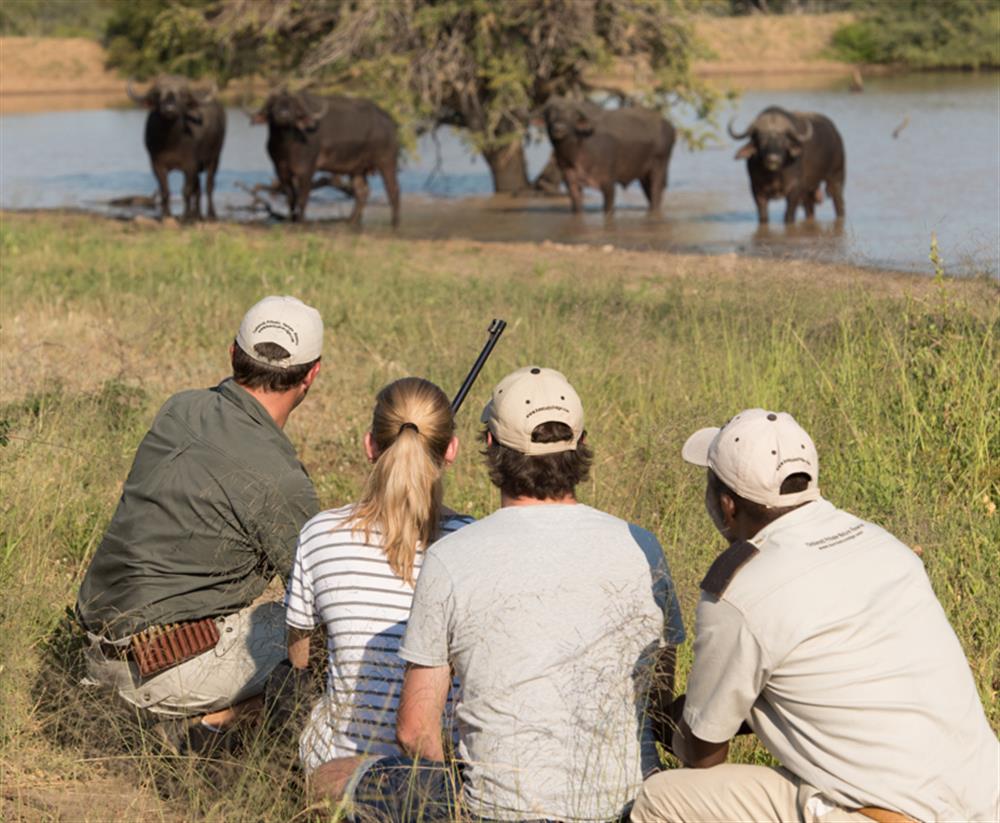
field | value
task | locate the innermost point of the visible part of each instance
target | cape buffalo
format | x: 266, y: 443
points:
x: 184, y: 130
x: 598, y: 147
x: 789, y: 155
x: 341, y: 135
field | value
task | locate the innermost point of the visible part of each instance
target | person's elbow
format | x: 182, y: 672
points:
x: 410, y: 736
x: 696, y: 753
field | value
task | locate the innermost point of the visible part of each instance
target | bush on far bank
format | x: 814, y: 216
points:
x: 923, y: 34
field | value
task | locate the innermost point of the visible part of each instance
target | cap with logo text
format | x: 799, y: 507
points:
x: 754, y: 453
x: 525, y: 399
x: 289, y: 323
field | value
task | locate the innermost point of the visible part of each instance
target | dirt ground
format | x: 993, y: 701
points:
x: 63, y: 73
x: 55, y: 74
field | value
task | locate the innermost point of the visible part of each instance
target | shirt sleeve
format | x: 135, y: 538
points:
x: 728, y: 674
x: 292, y: 503
x: 300, y: 605
x: 428, y: 629
x: 663, y: 585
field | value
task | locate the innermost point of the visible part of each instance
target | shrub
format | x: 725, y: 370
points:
x: 924, y: 34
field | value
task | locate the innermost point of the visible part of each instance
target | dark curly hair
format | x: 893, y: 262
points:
x: 256, y: 375
x: 544, y: 476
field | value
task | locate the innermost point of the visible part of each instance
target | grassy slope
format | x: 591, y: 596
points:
x: 894, y: 377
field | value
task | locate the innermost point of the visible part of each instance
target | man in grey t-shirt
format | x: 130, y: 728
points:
x: 560, y: 622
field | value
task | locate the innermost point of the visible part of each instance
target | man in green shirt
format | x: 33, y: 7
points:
x: 208, y: 516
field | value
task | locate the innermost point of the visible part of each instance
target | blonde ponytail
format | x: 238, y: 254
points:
x: 411, y: 428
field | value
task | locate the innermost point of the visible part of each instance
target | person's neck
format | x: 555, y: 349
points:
x: 507, y: 500
x: 278, y: 404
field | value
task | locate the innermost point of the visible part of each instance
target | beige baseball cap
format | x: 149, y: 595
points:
x: 754, y: 453
x: 287, y: 321
x: 527, y: 398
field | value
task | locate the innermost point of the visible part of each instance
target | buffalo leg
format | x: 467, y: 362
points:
x: 392, y: 190
x: 647, y: 189
x: 835, y: 188
x: 762, y: 216
x: 210, y: 188
x: 161, y: 179
x: 575, y: 191
x: 301, y: 188
x: 608, y: 190
x: 192, y: 195
x: 809, y: 204
x: 654, y: 188
x: 360, y: 198
x: 792, y: 205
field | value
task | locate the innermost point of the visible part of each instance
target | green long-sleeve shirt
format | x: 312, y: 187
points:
x: 210, y: 512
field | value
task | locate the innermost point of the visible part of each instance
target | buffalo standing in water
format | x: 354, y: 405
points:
x: 597, y: 147
x: 184, y: 130
x: 789, y: 155
x: 341, y: 135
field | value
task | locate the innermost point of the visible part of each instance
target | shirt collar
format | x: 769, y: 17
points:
x: 235, y: 393
x: 793, y: 519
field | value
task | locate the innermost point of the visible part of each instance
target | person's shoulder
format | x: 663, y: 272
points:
x: 452, y: 521
x: 458, y: 533
x: 329, y: 521
x: 603, y: 519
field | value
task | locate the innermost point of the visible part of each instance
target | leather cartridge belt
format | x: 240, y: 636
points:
x: 158, y: 648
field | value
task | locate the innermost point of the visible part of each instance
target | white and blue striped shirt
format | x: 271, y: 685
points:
x: 344, y: 582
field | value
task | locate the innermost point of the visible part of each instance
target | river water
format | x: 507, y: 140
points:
x: 940, y: 176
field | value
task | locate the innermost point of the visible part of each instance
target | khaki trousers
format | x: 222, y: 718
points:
x: 251, y: 643
x: 734, y: 792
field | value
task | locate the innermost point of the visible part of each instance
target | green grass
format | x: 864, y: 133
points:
x: 895, y: 377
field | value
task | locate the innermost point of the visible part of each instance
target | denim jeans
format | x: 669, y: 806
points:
x: 403, y: 790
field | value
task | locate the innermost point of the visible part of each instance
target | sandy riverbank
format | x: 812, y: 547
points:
x: 66, y: 73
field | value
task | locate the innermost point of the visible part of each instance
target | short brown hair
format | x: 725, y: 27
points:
x: 256, y: 375
x: 545, y: 476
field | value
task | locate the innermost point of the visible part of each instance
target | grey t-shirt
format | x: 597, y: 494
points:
x: 549, y: 615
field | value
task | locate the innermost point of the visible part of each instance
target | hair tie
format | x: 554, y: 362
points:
x: 408, y: 426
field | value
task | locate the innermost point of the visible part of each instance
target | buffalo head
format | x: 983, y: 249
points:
x: 173, y: 97
x: 776, y: 137
x: 565, y: 117
x: 296, y: 110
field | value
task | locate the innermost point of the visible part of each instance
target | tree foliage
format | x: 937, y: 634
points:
x: 482, y: 65
x: 924, y: 34
x: 145, y: 37
x: 53, y: 18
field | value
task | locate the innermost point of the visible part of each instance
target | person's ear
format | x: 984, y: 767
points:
x: 307, y: 381
x: 728, y: 508
x: 371, y: 450
x: 451, y: 452
x: 489, y: 438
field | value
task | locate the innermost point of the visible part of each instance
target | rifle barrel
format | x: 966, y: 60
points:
x: 495, y: 330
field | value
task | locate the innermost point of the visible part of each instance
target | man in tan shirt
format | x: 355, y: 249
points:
x: 822, y: 633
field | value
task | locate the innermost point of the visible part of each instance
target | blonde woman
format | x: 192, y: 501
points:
x: 354, y: 572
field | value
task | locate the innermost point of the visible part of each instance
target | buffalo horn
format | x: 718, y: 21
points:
x: 733, y: 134
x: 138, y: 98
x: 320, y: 112
x: 803, y: 136
x: 208, y: 95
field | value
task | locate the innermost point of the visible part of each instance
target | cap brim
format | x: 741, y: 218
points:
x: 696, y: 448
